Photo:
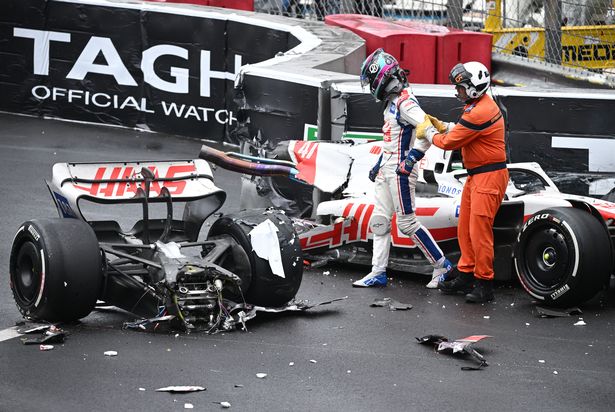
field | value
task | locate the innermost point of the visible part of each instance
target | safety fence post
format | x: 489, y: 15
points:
x: 553, y: 31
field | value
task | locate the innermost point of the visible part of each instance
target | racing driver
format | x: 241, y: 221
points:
x: 395, y: 173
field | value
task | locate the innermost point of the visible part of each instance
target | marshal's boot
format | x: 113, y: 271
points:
x: 483, y: 292
x: 463, y: 282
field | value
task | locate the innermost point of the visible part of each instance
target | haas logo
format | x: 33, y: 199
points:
x: 114, y: 188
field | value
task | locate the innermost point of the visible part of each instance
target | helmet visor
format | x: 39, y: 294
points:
x: 459, y: 75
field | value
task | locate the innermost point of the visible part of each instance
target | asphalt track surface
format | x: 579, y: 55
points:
x: 366, y: 358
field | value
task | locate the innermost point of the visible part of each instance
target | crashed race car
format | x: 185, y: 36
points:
x: 158, y: 269
x: 560, y: 246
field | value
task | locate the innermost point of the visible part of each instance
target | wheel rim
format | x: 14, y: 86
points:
x: 237, y: 261
x: 26, y: 274
x: 547, y: 257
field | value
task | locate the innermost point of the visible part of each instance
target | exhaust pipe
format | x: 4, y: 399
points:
x: 227, y: 162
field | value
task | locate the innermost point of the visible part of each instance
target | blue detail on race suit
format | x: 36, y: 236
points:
x: 404, y: 185
x: 429, y: 244
x: 404, y: 191
x: 415, y: 155
x: 374, y: 170
x: 406, y: 137
x: 449, y: 268
x: 405, y: 167
x: 392, y: 107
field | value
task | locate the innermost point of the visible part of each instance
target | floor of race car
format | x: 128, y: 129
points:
x: 345, y: 356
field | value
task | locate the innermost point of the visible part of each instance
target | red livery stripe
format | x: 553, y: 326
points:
x: 365, y: 224
x: 426, y: 211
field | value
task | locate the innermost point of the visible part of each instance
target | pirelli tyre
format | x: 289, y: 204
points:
x: 266, y: 288
x: 563, y: 256
x: 55, y: 269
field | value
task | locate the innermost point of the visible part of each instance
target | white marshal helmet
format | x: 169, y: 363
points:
x: 472, y: 76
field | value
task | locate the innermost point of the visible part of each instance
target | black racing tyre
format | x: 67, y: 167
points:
x: 563, y: 256
x: 266, y: 288
x: 55, y: 269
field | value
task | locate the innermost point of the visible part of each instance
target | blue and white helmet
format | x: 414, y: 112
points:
x: 378, y: 70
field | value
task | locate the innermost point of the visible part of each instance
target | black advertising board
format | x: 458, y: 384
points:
x: 571, y: 135
x: 16, y: 79
x: 364, y: 114
x: 127, y: 65
x: 198, y: 108
x: 278, y: 109
x: 584, y: 113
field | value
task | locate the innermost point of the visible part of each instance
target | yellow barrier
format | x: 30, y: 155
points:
x: 592, y: 47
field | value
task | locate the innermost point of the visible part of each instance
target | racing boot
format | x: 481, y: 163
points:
x: 372, y: 279
x: 440, y: 274
x: 463, y: 282
x: 483, y: 292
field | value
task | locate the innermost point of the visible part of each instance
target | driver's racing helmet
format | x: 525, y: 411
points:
x: 382, y: 73
x: 473, y: 77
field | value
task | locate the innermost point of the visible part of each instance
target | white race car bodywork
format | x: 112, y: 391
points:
x: 438, y: 194
x: 560, y: 246
x: 122, y: 182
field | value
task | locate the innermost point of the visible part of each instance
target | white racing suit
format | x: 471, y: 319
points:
x: 396, y: 193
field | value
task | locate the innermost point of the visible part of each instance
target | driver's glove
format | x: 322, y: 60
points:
x: 406, y: 165
x: 374, y: 170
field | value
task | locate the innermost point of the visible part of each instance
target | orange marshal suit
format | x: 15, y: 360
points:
x: 480, y: 135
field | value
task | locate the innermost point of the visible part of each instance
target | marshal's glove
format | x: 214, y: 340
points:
x: 438, y: 124
x: 405, y: 167
x: 421, y: 128
x: 425, y: 130
x: 374, y: 170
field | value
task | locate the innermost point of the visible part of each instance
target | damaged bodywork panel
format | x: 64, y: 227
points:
x: 458, y: 346
x: 559, y: 245
x: 159, y: 269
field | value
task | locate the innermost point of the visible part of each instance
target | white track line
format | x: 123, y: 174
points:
x: 9, y: 333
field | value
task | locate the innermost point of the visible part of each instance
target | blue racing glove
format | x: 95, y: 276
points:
x: 406, y: 165
x: 374, y: 170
